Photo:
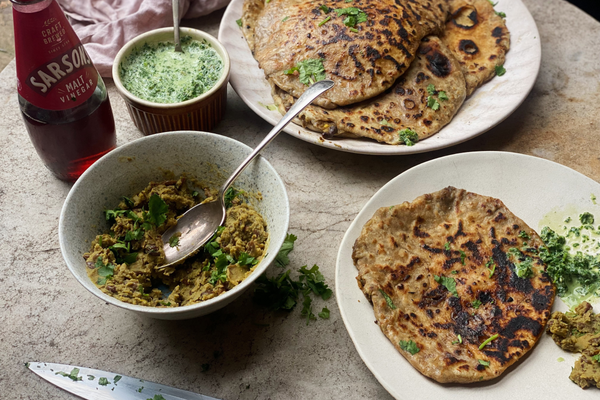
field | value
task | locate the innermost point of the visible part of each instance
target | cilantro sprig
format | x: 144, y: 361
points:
x: 448, y: 283
x: 354, y: 16
x: 309, y: 71
x: 282, y: 292
x: 432, y: 102
x: 388, y: 299
x: 105, y: 272
x: 73, y: 375
x: 282, y: 259
x: 408, y: 137
x: 409, y: 346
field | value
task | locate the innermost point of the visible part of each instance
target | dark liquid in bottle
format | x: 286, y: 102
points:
x: 69, y: 148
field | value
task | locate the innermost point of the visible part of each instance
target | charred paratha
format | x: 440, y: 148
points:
x: 363, y: 56
x: 455, y: 283
x: 479, y: 39
x: 404, y: 106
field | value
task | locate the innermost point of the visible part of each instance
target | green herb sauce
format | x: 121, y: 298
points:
x: 572, y: 256
x: 157, y: 73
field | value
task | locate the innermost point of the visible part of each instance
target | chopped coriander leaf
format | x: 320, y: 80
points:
x: 596, y: 357
x: 160, y: 396
x: 174, y: 240
x: 73, y: 375
x: 476, y: 303
x: 433, y: 103
x: 278, y: 293
x: 514, y: 252
x: 524, y: 269
x: 157, y: 210
x: 484, y: 363
x: 325, y: 20
x: 353, y: 30
x: 324, y: 313
x: 285, y: 18
x: 117, y: 378
x: 488, y: 340
x: 500, y: 14
x: 408, y: 136
x: 128, y: 202
x: 230, y: 194
x: 492, y: 3
x: 442, y: 95
x: 354, y: 16
x: 307, y: 307
x: 593, y: 198
x: 454, y: 272
x: 220, y: 271
x: 560, y: 359
x: 524, y: 235
x: 315, y: 281
x: 448, y: 283
x: 282, y: 258
x: 104, y: 271
x: 385, y: 122
x: 431, y: 89
x: 246, y: 259
x: 112, y: 214
x: 410, y: 346
x: 103, y: 381
x: 388, y: 299
x: 447, y: 246
x: 136, y: 234
x: 463, y: 255
x: 500, y: 70
x: 324, y: 8
x: 493, y: 269
x: 586, y: 218
x: 195, y: 193
x: 310, y: 71
x: 239, y: 22
x: 91, y: 377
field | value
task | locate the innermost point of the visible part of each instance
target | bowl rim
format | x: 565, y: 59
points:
x: 147, y: 35
x: 175, y: 311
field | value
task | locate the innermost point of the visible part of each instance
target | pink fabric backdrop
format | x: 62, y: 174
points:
x: 104, y: 26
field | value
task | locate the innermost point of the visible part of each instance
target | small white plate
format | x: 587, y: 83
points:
x: 535, y: 190
x: 489, y: 105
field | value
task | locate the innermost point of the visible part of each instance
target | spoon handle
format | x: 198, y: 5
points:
x: 303, y: 101
x: 175, y: 4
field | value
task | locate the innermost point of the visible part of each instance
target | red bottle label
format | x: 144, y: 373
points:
x: 54, y: 71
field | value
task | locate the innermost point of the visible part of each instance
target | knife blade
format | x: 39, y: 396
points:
x: 94, y: 384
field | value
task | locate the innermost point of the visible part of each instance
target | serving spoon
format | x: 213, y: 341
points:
x: 199, y: 223
x: 175, y: 4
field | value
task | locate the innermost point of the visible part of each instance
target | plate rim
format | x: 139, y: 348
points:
x: 369, y: 147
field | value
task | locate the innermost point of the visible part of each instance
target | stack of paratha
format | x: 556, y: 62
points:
x: 402, y: 68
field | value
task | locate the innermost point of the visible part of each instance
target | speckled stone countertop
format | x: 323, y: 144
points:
x: 46, y: 315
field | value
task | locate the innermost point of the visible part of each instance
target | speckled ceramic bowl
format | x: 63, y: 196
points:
x: 128, y: 169
x: 200, y: 113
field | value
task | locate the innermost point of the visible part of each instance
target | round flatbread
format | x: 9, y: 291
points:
x: 455, y: 282
x: 479, y: 39
x: 362, y: 47
x: 423, y: 100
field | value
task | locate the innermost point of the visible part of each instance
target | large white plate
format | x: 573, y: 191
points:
x: 532, y: 188
x: 488, y: 106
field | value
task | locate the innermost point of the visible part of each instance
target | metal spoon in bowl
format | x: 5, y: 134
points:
x: 200, y: 222
x: 175, y: 4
